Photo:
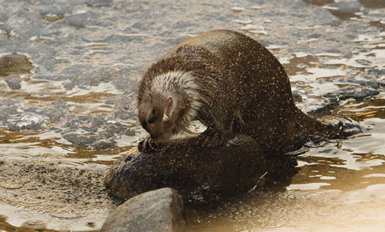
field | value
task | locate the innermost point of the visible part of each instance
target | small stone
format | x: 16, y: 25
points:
x: 78, y: 21
x: 319, y: 2
x: 98, y: 3
x: 28, y: 121
x: 345, y: 10
x: 14, y: 64
x: 34, y: 225
x: 13, y: 82
x: 157, y: 210
x: 91, y: 224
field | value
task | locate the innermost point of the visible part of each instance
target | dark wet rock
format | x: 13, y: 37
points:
x: 13, y: 81
x: 375, y: 4
x: 56, y: 129
x: 157, y: 210
x: 200, y: 174
x: 379, y: 24
x: 14, y: 64
x: 345, y: 10
x: 104, y: 144
x: 319, y: 2
x: 79, y: 139
x: 98, y: 122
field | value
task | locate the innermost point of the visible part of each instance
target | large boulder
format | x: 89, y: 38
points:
x: 200, y: 174
x: 156, y: 211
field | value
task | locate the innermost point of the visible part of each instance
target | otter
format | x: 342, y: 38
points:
x: 231, y: 84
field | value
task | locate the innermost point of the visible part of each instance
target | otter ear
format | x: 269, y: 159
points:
x: 167, y: 109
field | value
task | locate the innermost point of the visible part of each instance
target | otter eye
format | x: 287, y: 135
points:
x: 152, y: 116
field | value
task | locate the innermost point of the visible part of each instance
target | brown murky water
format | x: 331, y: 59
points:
x: 68, y: 74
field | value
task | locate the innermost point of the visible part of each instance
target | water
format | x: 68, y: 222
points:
x: 75, y: 108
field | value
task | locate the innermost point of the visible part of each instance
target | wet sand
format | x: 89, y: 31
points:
x: 47, y: 194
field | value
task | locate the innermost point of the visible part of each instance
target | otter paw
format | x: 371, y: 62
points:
x: 149, y: 145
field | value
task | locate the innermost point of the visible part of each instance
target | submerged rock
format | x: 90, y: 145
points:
x: 14, y: 64
x: 13, y: 82
x: 345, y: 10
x: 28, y: 121
x: 202, y: 175
x: 158, y: 210
x: 319, y: 2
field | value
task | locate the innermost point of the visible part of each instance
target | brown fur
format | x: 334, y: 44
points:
x: 246, y: 89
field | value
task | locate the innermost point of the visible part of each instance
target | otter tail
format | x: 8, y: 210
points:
x: 318, y: 129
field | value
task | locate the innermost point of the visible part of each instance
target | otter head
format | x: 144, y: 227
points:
x: 161, y: 116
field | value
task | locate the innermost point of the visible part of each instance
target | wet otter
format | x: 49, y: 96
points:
x: 229, y: 82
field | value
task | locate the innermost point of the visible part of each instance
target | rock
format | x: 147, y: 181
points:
x: 345, y: 10
x: 14, y: 64
x: 202, y: 175
x: 319, y: 2
x: 80, y: 140
x: 34, y: 225
x: 77, y: 21
x: 98, y: 3
x: 158, y: 210
x: 28, y: 121
x: 13, y: 82
x: 372, y: 4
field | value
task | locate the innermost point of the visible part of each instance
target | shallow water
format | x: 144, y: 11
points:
x: 77, y: 103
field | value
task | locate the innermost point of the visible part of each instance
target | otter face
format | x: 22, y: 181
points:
x: 158, y: 116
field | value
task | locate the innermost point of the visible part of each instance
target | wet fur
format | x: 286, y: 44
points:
x: 243, y: 89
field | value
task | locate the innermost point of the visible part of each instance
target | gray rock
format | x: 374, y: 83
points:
x: 98, y: 3
x: 13, y: 82
x: 157, y: 210
x: 77, y: 21
x: 28, y: 121
x: 345, y: 10
x: 80, y: 140
x: 319, y: 2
